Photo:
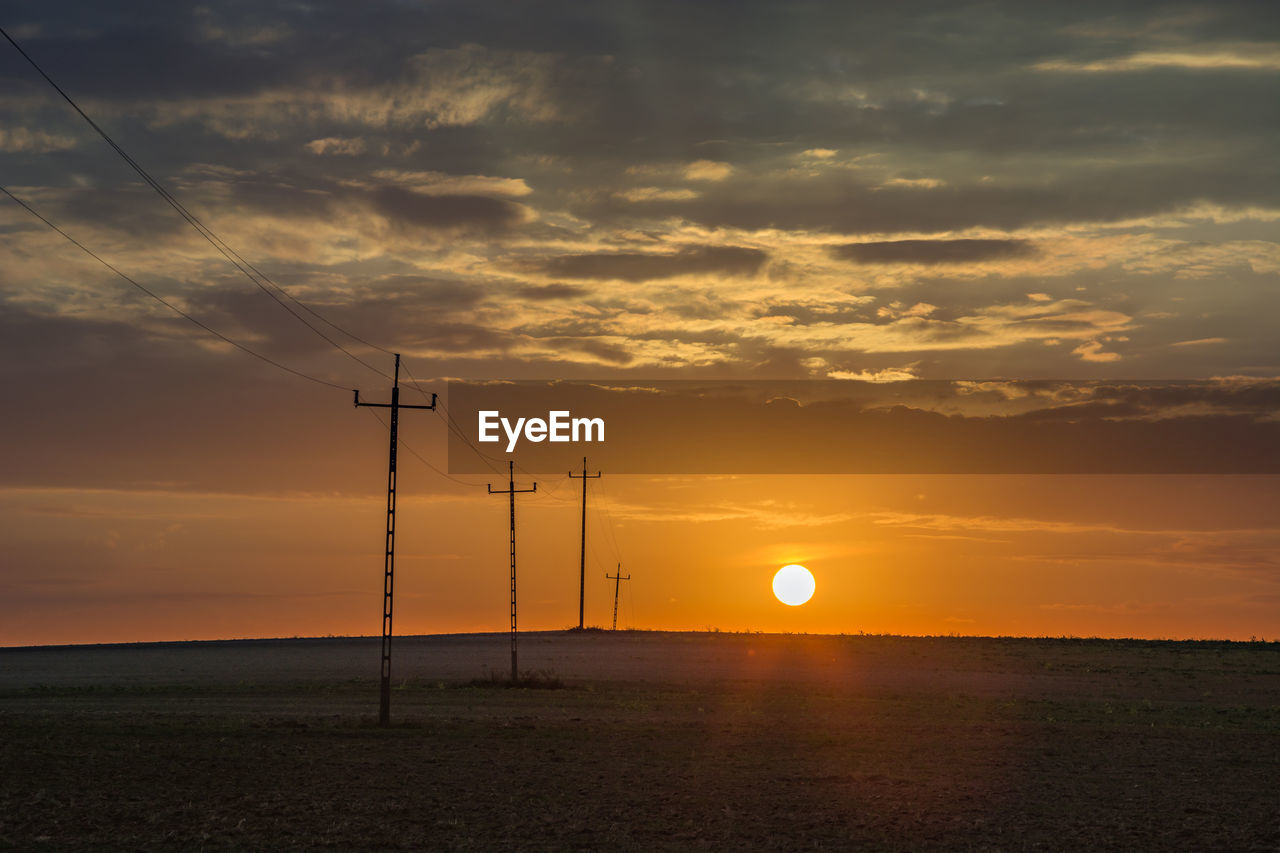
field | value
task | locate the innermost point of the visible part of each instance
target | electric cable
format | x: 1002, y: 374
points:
x: 604, y: 504
x: 419, y: 456
x: 164, y: 301
x: 214, y: 240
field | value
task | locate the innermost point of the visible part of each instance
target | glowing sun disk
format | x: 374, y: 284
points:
x: 793, y: 585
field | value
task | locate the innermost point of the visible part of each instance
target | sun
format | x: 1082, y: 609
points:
x: 793, y: 585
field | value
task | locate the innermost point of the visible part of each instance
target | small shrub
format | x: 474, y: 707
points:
x: 533, y: 679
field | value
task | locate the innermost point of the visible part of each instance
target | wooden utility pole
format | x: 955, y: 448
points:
x: 582, y: 561
x: 617, y: 581
x: 512, y: 491
x: 389, y: 562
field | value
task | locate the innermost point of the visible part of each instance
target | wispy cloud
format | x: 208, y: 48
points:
x: 21, y: 139
x: 1255, y: 56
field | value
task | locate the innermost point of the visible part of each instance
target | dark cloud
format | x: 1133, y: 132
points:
x: 134, y: 211
x: 638, y: 266
x: 934, y: 89
x: 397, y: 307
x: 931, y: 251
x: 445, y: 212
x: 603, y: 350
x: 841, y: 204
x: 1256, y: 397
x: 292, y: 193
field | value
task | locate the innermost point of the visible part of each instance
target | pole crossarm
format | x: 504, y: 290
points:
x: 512, y: 491
x: 389, y: 562
x: 360, y: 402
x: 582, y: 558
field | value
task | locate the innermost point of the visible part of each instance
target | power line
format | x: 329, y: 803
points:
x: 214, y: 240
x: 212, y: 331
x: 413, y: 379
x: 631, y: 609
x: 451, y: 424
x: 604, y: 504
x: 602, y: 528
x: 419, y: 456
x: 164, y: 301
x: 553, y: 493
x: 461, y: 433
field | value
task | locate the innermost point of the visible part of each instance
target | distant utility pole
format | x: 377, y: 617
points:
x: 389, y: 565
x: 617, y: 581
x: 512, y: 491
x: 582, y: 562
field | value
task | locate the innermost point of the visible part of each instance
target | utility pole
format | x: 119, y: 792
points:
x: 389, y: 564
x: 617, y: 581
x: 512, y: 491
x: 582, y: 563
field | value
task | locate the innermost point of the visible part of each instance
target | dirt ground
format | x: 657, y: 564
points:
x: 652, y: 741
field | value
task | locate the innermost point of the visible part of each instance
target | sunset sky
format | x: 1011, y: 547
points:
x: 631, y: 192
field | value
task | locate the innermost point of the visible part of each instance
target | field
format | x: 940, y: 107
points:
x: 644, y: 741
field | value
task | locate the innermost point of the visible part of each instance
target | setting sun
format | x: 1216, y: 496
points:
x: 793, y: 585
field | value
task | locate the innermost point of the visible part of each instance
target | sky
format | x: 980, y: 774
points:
x: 998, y: 193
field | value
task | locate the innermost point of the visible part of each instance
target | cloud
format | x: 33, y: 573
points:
x: 1258, y: 56
x: 707, y: 170
x: 655, y: 194
x: 211, y: 29
x: 1092, y: 351
x: 594, y: 166
x: 604, y: 351
x: 914, y: 183
x: 445, y: 212
x: 996, y: 524
x: 898, y: 309
x: 889, y: 374
x: 438, y: 88
x: 545, y: 292
x: 336, y: 145
x: 904, y: 427
x: 767, y: 514
x: 931, y: 251
x: 17, y: 139
x: 636, y: 266
x: 441, y: 183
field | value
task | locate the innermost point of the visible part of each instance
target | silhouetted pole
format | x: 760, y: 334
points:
x: 582, y: 562
x: 617, y: 581
x: 512, y: 491
x: 389, y: 564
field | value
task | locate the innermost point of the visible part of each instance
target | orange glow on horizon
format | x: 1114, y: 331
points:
x: 913, y: 555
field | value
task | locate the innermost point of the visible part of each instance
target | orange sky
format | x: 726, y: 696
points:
x: 1161, y: 556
